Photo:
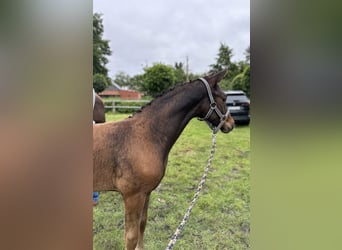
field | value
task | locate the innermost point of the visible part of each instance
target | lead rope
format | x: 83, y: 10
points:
x: 176, y: 235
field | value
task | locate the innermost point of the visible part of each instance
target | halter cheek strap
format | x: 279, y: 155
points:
x: 213, y: 107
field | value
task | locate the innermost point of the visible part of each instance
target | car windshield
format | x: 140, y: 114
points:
x: 236, y: 98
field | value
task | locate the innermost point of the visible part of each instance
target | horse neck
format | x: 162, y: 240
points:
x: 168, y: 114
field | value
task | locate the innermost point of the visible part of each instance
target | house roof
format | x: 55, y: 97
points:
x: 112, y: 87
x: 116, y: 90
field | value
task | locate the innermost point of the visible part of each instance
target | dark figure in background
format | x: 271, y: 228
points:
x: 98, y: 117
x: 99, y: 110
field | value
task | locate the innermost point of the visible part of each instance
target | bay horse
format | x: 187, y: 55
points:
x: 130, y: 156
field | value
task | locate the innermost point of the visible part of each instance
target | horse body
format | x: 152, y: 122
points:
x: 126, y: 148
x: 130, y: 156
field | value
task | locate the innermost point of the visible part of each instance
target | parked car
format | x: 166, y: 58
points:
x: 238, y: 105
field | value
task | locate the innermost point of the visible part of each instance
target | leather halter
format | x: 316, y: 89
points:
x: 213, y: 107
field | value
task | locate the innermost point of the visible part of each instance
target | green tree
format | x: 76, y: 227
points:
x: 194, y: 76
x: 122, y: 79
x: 238, y: 75
x: 179, y: 72
x: 136, y: 82
x: 223, y: 59
x: 242, y: 80
x: 101, y: 50
x: 100, y: 82
x: 158, y: 78
x: 132, y: 82
x: 248, y: 54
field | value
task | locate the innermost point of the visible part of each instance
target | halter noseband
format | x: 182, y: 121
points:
x: 213, y: 107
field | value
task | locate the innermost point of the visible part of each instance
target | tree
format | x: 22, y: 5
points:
x: 242, y: 81
x: 158, y: 78
x: 122, y: 79
x: 238, y: 75
x: 136, y: 82
x: 248, y: 54
x: 101, y: 49
x: 223, y: 59
x: 179, y: 72
x: 194, y: 76
x: 132, y: 82
x: 100, y: 82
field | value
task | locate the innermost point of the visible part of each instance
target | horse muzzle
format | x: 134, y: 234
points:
x: 228, y: 125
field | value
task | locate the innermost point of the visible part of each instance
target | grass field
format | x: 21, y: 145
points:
x: 220, y: 218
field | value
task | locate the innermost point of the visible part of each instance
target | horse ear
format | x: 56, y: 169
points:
x: 216, y: 77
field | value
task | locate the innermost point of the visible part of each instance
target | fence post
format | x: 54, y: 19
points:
x: 113, y: 105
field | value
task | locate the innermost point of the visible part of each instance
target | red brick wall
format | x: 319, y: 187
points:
x: 129, y: 94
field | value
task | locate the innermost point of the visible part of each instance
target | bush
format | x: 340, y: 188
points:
x: 99, y: 83
x: 158, y: 78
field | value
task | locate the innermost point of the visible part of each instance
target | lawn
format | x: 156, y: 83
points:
x: 220, y: 218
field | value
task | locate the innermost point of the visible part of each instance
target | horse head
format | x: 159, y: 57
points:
x: 213, y: 109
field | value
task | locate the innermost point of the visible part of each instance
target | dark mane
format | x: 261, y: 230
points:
x: 159, y: 96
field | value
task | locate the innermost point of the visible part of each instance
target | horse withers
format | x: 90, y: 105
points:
x: 130, y: 156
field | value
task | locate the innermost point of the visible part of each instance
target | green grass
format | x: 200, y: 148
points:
x: 220, y: 218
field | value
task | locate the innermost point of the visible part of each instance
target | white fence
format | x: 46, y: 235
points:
x: 116, y: 104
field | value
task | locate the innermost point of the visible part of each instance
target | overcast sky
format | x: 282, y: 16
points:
x: 143, y: 32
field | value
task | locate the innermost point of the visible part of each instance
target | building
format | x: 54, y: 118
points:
x: 116, y: 91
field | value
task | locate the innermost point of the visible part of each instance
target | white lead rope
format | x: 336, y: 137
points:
x: 179, y: 230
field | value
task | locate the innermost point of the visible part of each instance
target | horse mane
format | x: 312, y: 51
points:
x: 158, y: 96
